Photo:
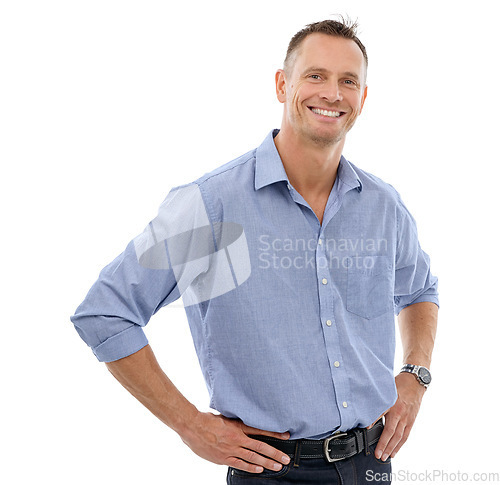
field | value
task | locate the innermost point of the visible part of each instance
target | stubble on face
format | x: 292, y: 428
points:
x: 320, y: 138
x: 298, y: 114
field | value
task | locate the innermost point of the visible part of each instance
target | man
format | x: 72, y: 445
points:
x: 291, y: 263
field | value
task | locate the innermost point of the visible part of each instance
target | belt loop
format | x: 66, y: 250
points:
x: 360, y: 439
x: 296, y: 458
x: 365, y: 439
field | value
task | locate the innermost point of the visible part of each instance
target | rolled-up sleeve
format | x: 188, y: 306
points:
x: 154, y: 270
x: 414, y: 281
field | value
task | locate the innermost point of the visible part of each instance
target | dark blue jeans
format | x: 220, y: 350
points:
x: 362, y: 468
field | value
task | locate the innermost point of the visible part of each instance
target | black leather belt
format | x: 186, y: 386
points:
x: 338, y: 446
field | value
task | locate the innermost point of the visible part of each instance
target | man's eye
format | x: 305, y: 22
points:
x: 349, y: 81
x: 315, y: 76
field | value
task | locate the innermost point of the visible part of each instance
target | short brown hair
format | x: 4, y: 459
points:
x: 344, y: 28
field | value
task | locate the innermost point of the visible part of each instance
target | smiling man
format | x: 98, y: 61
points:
x: 291, y: 263
x: 325, y: 75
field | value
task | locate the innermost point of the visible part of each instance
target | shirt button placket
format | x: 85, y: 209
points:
x: 326, y: 309
x: 324, y: 280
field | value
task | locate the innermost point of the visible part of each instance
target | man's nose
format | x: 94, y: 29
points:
x: 331, y: 92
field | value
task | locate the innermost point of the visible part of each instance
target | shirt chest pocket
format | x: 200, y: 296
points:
x: 369, y: 286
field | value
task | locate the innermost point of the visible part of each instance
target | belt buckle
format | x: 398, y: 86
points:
x: 326, y: 445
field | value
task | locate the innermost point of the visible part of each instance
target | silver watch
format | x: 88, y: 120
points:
x: 422, y: 374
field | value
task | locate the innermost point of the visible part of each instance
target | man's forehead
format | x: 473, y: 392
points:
x: 324, y: 50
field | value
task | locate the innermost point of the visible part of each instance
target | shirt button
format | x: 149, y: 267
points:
x: 329, y: 323
x: 320, y: 241
x: 344, y: 404
x: 324, y: 281
x: 289, y: 186
x: 337, y: 364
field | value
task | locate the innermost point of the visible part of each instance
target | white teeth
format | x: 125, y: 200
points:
x: 324, y: 112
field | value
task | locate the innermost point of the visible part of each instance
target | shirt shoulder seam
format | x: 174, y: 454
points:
x: 205, y: 178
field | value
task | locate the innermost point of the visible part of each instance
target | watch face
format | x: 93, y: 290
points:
x: 425, y: 375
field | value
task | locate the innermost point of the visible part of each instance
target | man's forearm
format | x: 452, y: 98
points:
x: 213, y: 437
x: 143, y: 377
x: 417, y: 326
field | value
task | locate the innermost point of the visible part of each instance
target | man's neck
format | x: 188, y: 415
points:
x: 310, y: 168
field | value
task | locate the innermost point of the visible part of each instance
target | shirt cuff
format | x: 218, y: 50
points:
x: 121, y: 345
x: 421, y: 298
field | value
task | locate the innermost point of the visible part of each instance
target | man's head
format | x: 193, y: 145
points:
x: 344, y: 29
x: 323, y: 83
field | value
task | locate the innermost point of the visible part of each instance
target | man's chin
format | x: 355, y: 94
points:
x: 325, y: 140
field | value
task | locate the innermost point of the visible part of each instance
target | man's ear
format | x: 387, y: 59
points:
x: 365, y: 92
x: 280, y: 85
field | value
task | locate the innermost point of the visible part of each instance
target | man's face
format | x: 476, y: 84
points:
x: 325, y: 91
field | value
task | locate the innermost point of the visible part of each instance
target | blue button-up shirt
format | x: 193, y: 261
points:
x: 292, y: 319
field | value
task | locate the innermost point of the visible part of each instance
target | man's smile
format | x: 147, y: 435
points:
x: 326, y: 112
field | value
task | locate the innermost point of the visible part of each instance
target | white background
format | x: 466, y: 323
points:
x: 106, y: 105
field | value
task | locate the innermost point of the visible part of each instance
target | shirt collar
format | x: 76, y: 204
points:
x: 269, y: 167
x: 348, y: 175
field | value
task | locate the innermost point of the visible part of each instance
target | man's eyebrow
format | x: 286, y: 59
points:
x: 351, y: 74
x: 316, y: 69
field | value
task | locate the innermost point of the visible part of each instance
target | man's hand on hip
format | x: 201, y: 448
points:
x: 400, y: 418
x: 226, y: 442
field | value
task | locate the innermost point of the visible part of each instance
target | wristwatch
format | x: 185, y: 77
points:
x: 422, y: 374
